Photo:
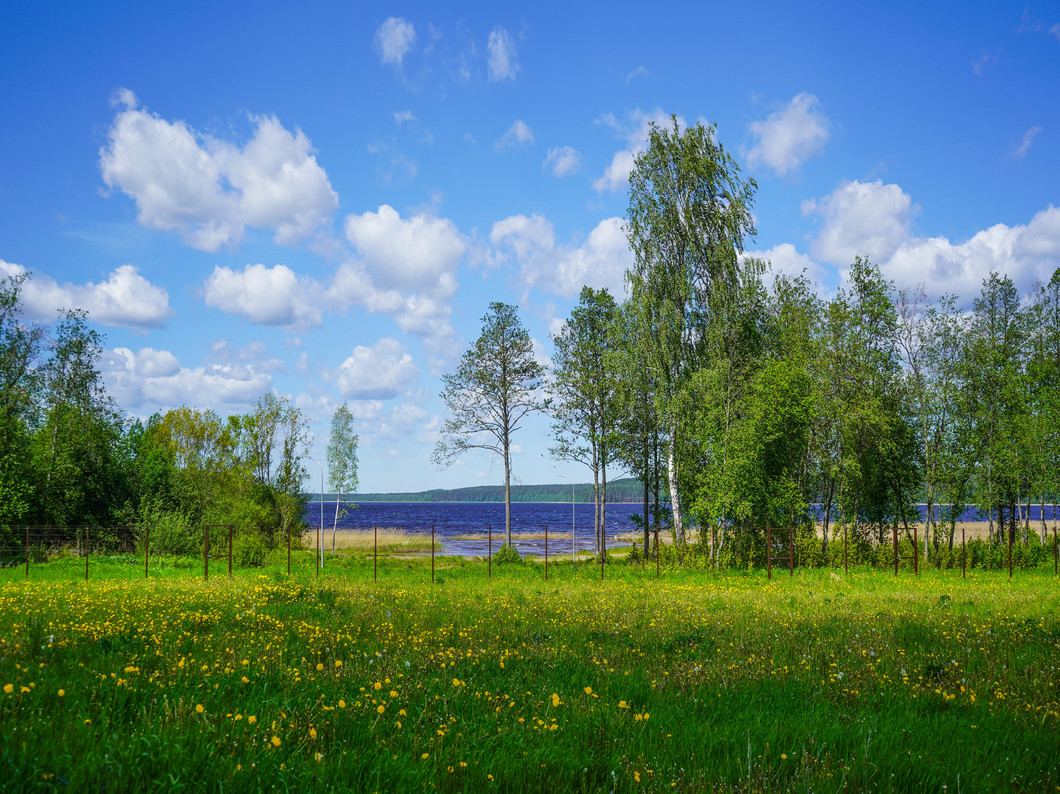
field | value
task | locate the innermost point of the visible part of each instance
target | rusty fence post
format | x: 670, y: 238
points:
x: 375, y: 554
x: 846, y: 554
x: 1056, y: 554
x: 546, y: 552
x: 288, y: 551
x: 27, y: 552
x: 489, y: 552
x: 86, y: 554
x: 147, y: 541
x: 657, y: 551
x: 432, y: 553
x: 229, y: 551
x: 603, y: 551
x: 964, y: 556
x: 206, y: 554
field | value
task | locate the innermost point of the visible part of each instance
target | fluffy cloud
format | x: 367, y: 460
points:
x: 209, y: 190
x: 266, y: 295
x: 394, y: 39
x: 564, y: 161
x: 786, y: 138
x: 151, y: 380
x: 379, y: 372
x: 868, y: 218
x: 874, y: 219
x: 500, y: 55
x: 785, y: 259
x: 126, y: 299
x: 517, y: 135
x: 599, y: 261
x: 634, y: 129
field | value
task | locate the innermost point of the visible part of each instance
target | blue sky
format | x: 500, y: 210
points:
x: 322, y: 200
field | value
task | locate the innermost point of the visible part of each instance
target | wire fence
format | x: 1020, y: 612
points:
x: 217, y: 550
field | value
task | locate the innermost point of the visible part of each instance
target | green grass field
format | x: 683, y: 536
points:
x: 695, y: 681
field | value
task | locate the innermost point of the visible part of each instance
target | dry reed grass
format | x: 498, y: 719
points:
x: 389, y: 539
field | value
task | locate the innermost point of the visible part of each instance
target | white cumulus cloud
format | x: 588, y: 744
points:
x: 149, y: 380
x: 598, y: 261
x: 126, y: 299
x: 209, y: 190
x: 501, y: 56
x: 393, y: 40
x: 266, y: 295
x: 563, y: 160
x: 379, y: 372
x: 787, y: 137
x: 1025, y: 144
x: 873, y: 219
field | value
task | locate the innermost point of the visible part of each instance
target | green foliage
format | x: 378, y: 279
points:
x: 506, y: 555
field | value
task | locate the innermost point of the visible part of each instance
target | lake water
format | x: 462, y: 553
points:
x: 451, y: 519
x: 454, y: 519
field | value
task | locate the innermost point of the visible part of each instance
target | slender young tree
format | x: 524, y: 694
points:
x: 342, y: 460
x: 584, y: 393
x: 495, y: 387
x: 688, y: 215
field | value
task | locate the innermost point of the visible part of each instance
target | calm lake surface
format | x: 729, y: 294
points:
x: 451, y: 520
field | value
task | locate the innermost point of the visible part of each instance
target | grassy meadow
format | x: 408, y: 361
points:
x: 696, y: 681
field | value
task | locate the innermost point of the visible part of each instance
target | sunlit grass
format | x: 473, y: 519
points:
x: 820, y: 681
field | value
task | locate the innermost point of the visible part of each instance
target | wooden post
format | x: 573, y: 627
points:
x: 546, y: 552
x: 791, y: 551
x: 489, y: 552
x: 27, y: 552
x: 86, y: 554
x: 603, y: 550
x: 375, y: 555
x: 206, y: 553
x: 1056, y: 554
x: 288, y: 551
x: 147, y: 541
x: 846, y: 555
x: 657, y: 551
x: 319, y: 549
x: 769, y: 557
x: 964, y: 556
x: 432, y: 553
x: 229, y: 551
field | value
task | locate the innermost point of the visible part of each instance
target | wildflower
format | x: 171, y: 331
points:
x: 342, y: 704
x: 393, y: 693
x: 62, y: 692
x: 276, y: 741
x: 198, y: 708
x: 622, y: 704
x: 380, y: 708
x: 588, y: 690
x: 312, y: 733
x: 8, y: 688
x: 320, y: 666
x: 251, y: 719
x: 425, y: 756
x: 555, y: 700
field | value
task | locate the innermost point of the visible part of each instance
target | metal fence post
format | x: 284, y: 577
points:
x: 375, y: 555
x: 288, y: 551
x: 916, y: 553
x: 229, y: 551
x: 894, y: 533
x: 86, y: 554
x: 206, y: 554
x: 846, y: 555
x: 147, y: 540
x: 489, y: 552
x: 657, y: 550
x: 27, y: 552
x: 603, y: 550
x: 1010, y: 534
x: 546, y: 552
x: 432, y: 553
x: 964, y: 556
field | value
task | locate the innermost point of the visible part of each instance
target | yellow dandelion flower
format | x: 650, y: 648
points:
x: 425, y: 756
x: 377, y: 686
x: 320, y: 666
x: 199, y: 708
x: 8, y: 688
x: 380, y: 708
x: 622, y: 704
x: 588, y: 690
x: 276, y: 741
x: 555, y: 700
x: 252, y: 719
x: 393, y: 693
x: 62, y: 692
x: 342, y: 704
x: 312, y: 733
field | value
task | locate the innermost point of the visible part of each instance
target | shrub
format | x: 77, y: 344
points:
x: 507, y: 554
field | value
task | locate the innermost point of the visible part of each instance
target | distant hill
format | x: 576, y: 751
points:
x: 627, y: 489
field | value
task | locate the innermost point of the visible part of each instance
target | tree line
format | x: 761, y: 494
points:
x: 741, y: 398
x: 69, y: 456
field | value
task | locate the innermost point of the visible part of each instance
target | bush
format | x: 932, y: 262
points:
x: 249, y: 550
x: 507, y: 554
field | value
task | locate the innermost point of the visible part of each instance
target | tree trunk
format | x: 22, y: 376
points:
x: 507, y: 493
x: 675, y: 497
x: 603, y: 509
x: 335, y: 526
